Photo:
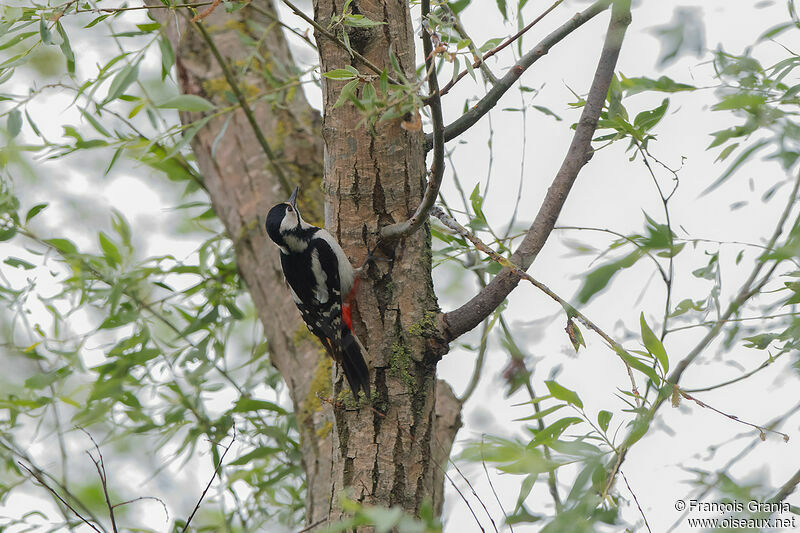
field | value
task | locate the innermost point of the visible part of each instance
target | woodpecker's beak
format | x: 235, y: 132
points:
x: 293, y: 198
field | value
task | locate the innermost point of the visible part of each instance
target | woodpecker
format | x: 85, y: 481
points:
x: 322, y: 283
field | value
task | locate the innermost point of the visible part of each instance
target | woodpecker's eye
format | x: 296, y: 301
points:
x: 289, y: 209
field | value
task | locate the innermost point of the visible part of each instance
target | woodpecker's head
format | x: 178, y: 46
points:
x: 284, y: 220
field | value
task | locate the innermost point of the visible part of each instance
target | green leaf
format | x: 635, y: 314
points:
x: 525, y: 490
x: 44, y: 31
x: 638, y: 430
x: 546, y: 111
x: 97, y: 20
x: 646, y: 120
x: 564, y: 394
x: 110, y: 250
x: 17, y: 39
x: 762, y: 341
x: 488, y: 45
x: 597, y: 279
x: 244, y: 405
x: 40, y: 381
x: 553, y: 431
x: 501, y: 6
x: 14, y: 124
x: 360, y: 21
x: 65, y: 246
x: 122, y: 80
x: 636, y: 364
x: 684, y: 34
x: 261, y: 452
x: 457, y: 6
x: 740, y: 100
x: 17, y: 262
x: 167, y: 56
x: 187, y: 102
x: 95, y: 123
x: 347, y: 93
x: 653, y: 344
x: 149, y: 26
x: 66, y: 49
x: 663, y: 84
x: 339, y: 74
x: 541, y: 414
x: 604, y: 418
x: 744, y: 156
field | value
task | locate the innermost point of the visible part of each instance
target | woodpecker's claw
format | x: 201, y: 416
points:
x: 370, y: 257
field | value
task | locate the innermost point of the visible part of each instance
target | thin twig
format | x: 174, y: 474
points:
x: 100, y: 466
x: 403, y: 229
x: 134, y: 8
x: 571, y: 311
x: 671, y: 257
x: 141, y: 498
x: 481, y: 61
x: 330, y: 36
x: 552, y: 481
x: 468, y: 119
x: 748, y: 289
x: 635, y: 499
x: 491, y: 486
x: 312, y: 526
x: 43, y: 483
x: 274, y: 18
x: 469, y: 315
x: 210, y: 481
x: 746, y: 375
x: 762, y: 430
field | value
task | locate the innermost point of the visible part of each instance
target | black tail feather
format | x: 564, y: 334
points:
x: 353, y: 364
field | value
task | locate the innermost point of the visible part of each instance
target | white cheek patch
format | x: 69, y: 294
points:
x: 320, y: 286
x: 294, y: 243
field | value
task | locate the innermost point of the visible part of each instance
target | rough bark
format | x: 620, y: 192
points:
x: 370, y: 181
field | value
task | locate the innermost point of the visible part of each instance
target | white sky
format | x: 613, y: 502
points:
x: 610, y: 193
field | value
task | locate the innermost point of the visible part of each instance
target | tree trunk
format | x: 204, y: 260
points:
x: 393, y: 452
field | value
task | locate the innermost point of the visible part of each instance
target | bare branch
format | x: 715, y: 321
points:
x: 635, y: 499
x: 468, y: 119
x: 38, y: 477
x: 481, y: 61
x: 100, y: 466
x: 762, y: 430
x: 208, y: 486
x: 403, y: 229
x: 471, y: 314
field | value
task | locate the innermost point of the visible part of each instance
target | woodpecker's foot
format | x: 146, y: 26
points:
x: 370, y: 258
